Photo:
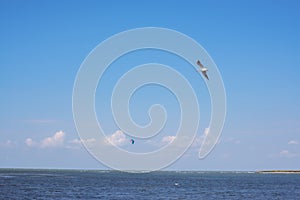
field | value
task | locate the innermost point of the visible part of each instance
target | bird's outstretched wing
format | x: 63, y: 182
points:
x: 205, y: 74
x: 199, y: 63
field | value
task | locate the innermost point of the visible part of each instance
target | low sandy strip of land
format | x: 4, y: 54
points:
x: 279, y: 171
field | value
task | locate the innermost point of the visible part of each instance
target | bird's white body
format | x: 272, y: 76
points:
x: 203, y: 69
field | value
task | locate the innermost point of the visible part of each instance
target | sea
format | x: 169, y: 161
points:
x: 89, y: 184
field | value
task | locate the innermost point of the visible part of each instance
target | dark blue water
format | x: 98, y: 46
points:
x: 68, y: 184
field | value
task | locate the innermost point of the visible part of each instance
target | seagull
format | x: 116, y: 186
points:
x: 202, y: 69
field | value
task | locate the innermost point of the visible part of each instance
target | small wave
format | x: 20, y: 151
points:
x: 6, y: 176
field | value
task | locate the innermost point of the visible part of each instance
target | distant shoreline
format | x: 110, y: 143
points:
x: 176, y: 171
x: 279, y: 172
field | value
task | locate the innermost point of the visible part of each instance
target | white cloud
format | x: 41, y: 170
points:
x: 54, y: 141
x: 57, y: 140
x: 206, y: 132
x: 167, y: 139
x: 77, y: 143
x: 286, y: 153
x: 29, y: 142
x: 197, y: 143
x: 293, y: 142
x: 205, y: 136
x: 89, y: 141
x: 118, y: 138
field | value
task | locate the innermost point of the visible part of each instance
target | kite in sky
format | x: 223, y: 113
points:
x: 132, y: 141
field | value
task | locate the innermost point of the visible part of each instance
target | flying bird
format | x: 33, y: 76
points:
x: 202, y: 69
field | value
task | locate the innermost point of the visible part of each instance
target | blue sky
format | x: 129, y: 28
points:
x: 255, y: 45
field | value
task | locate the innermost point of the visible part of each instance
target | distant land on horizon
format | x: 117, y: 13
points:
x: 69, y: 169
x: 279, y: 171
